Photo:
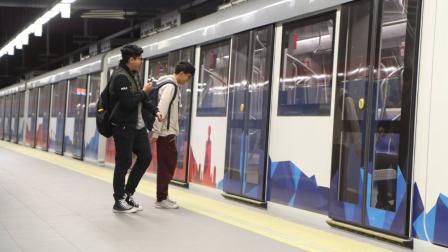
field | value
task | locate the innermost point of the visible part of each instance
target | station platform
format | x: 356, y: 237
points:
x: 54, y: 203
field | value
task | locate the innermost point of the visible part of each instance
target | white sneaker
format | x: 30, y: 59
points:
x: 171, y: 201
x: 165, y: 204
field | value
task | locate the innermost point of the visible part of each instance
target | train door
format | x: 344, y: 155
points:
x: 43, y: 117
x: 7, y: 135
x: 15, y: 117
x: 74, y: 122
x: 373, y: 125
x: 91, y: 135
x: 248, y: 113
x: 21, y: 122
x: 183, y: 139
x: 57, y: 117
x: 157, y: 67
x: 30, y: 130
x: 2, y: 114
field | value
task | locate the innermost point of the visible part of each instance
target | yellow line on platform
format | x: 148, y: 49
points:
x: 293, y: 234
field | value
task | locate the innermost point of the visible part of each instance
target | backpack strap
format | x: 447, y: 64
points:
x: 172, y: 99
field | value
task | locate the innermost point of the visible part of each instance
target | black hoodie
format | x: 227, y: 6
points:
x: 126, y: 89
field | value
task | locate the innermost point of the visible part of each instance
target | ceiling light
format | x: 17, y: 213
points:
x: 37, y: 29
x: 68, y: 1
x: 65, y: 10
x: 10, y: 50
x: 63, y: 7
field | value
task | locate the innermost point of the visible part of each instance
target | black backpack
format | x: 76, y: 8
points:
x: 154, y: 100
x: 103, y: 112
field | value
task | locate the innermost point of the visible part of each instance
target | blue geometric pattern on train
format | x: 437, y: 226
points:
x: 92, y: 146
x: 418, y: 215
x: 437, y: 221
x: 352, y: 211
x: 289, y: 185
x: 383, y: 219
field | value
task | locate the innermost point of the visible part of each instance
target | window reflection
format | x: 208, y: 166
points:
x: 213, y: 80
x: 305, y: 84
x: 389, y: 82
x: 94, y: 93
x: 158, y: 67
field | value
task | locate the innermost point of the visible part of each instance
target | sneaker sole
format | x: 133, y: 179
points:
x: 133, y: 210
x: 163, y: 207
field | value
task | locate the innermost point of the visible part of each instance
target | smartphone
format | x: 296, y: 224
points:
x: 153, y: 81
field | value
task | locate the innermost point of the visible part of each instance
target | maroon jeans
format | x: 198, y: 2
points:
x: 166, y: 164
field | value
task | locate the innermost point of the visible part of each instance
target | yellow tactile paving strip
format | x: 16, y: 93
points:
x: 293, y: 234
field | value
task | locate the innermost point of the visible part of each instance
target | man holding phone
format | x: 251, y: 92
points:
x: 129, y: 130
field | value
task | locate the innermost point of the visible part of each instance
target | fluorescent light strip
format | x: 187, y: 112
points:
x: 63, y: 7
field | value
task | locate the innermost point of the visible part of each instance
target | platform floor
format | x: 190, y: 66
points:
x: 55, y: 203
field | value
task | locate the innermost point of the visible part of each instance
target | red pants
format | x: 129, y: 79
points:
x: 166, y: 164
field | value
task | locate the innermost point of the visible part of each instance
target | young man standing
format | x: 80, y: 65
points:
x: 129, y: 131
x: 165, y: 132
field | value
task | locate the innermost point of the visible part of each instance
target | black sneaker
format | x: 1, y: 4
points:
x: 131, y: 202
x: 121, y: 206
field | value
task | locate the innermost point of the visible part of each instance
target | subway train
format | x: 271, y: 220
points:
x: 330, y: 106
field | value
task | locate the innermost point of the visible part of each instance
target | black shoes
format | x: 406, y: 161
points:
x: 131, y: 202
x: 121, y: 206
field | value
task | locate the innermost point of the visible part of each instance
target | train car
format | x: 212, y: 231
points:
x: 65, y: 122
x: 334, y: 107
x: 10, y: 99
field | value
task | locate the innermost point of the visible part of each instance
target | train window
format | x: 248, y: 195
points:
x: 388, y: 91
x: 94, y: 93
x: 158, y: 67
x: 213, y: 79
x: 389, y: 82
x: 76, y: 98
x: 307, y: 67
x: 58, y: 97
x: 44, y: 101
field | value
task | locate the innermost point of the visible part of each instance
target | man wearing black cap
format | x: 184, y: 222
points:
x: 129, y: 131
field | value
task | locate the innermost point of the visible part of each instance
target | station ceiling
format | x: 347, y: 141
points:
x: 64, y: 40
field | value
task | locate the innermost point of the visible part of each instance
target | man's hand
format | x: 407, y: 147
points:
x: 147, y: 87
x: 159, y: 116
x: 153, y: 140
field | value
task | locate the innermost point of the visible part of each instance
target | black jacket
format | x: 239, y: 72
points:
x: 126, y: 89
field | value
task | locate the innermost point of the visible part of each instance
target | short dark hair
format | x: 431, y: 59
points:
x: 185, y: 67
x: 130, y: 51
